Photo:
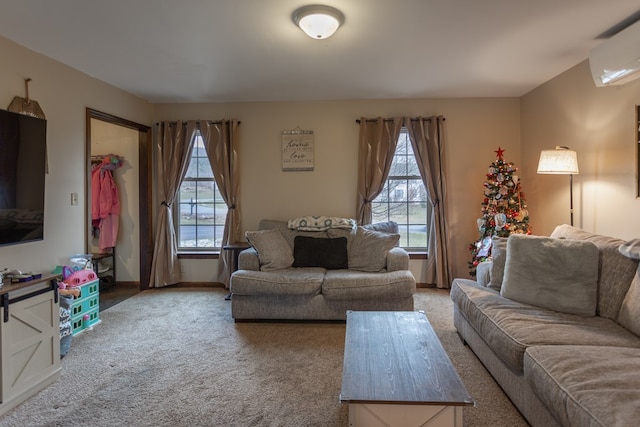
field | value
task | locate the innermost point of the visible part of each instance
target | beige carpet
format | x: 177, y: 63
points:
x: 174, y: 357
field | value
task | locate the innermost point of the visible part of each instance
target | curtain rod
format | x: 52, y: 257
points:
x: 213, y: 122
x: 390, y: 120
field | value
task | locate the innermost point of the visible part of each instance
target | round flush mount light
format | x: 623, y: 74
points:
x: 318, y: 21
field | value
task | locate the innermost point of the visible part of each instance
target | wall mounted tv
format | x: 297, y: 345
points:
x: 22, y: 174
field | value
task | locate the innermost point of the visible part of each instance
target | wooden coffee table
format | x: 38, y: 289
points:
x: 396, y: 372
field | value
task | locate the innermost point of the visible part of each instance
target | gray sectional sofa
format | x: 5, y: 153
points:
x: 565, y: 344
x: 289, y: 274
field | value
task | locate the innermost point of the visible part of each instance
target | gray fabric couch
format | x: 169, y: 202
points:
x: 558, y: 368
x: 285, y: 292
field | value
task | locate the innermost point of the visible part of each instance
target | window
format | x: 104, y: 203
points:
x: 404, y: 198
x: 202, y: 210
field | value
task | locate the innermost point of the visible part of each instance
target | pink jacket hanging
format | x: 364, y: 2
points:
x: 105, y: 206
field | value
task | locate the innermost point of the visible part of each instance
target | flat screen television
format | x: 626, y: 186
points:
x: 22, y: 174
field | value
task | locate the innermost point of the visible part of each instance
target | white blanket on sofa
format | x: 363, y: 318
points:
x: 320, y: 223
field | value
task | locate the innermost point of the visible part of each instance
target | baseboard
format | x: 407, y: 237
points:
x: 200, y: 285
x: 132, y: 284
x: 425, y: 285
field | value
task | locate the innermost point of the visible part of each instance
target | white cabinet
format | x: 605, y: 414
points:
x: 29, y: 339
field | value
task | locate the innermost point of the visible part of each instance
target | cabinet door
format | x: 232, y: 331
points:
x: 30, y: 345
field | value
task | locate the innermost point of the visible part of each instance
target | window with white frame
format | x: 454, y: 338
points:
x: 404, y: 198
x: 201, y: 210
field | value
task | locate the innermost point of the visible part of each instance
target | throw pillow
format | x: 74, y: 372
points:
x: 319, y: 252
x: 368, y: 249
x: 273, y: 250
x: 557, y: 274
x: 498, y: 258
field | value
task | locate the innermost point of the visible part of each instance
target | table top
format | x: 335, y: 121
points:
x: 9, y: 286
x: 396, y: 357
x: 236, y: 246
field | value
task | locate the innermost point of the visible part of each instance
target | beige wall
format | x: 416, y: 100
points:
x: 600, y: 124
x: 63, y: 93
x: 568, y: 110
x: 475, y: 128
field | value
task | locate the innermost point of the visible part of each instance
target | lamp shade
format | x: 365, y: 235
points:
x: 318, y: 21
x: 559, y: 161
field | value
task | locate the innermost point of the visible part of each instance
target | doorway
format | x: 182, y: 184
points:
x: 97, y: 123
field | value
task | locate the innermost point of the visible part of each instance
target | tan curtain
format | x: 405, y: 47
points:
x: 220, y: 142
x: 173, y: 143
x: 377, y: 145
x: 428, y: 141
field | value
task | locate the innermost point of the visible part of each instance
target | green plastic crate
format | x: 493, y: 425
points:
x: 85, y: 321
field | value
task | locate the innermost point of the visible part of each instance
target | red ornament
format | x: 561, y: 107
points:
x: 499, y: 152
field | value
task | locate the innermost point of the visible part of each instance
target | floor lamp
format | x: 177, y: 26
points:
x: 560, y: 161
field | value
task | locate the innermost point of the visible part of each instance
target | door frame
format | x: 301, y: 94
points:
x: 145, y: 187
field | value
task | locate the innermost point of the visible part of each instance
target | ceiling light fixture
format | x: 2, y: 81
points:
x: 318, y: 21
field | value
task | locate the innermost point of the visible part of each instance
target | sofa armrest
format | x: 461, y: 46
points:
x: 248, y: 260
x: 483, y: 273
x: 397, y: 259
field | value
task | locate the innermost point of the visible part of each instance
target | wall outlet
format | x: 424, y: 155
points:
x: 74, y: 199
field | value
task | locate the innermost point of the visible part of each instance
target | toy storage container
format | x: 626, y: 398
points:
x: 85, y: 310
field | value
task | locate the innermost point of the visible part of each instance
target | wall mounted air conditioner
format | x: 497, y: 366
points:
x: 617, y: 60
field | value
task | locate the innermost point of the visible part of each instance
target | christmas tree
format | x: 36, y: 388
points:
x: 504, y: 210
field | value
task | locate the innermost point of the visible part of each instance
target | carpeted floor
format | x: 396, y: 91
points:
x: 174, y: 357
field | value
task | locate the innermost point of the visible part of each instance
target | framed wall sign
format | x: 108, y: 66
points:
x: 297, y: 150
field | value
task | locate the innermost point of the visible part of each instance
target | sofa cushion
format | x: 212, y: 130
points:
x: 498, y: 260
x: 615, y: 270
x: 390, y: 227
x: 483, y: 272
x: 349, y: 284
x: 273, y: 251
x: 509, y: 327
x: 315, y: 252
x: 557, y: 274
x: 291, y: 281
x: 367, y: 249
x: 630, y: 311
x: 586, y: 385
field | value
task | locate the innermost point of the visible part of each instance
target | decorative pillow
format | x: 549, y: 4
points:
x: 368, y: 249
x: 557, y: 274
x: 498, y: 258
x: 318, y: 252
x: 616, y: 270
x: 273, y: 250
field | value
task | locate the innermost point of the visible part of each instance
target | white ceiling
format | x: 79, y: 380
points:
x: 249, y: 50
